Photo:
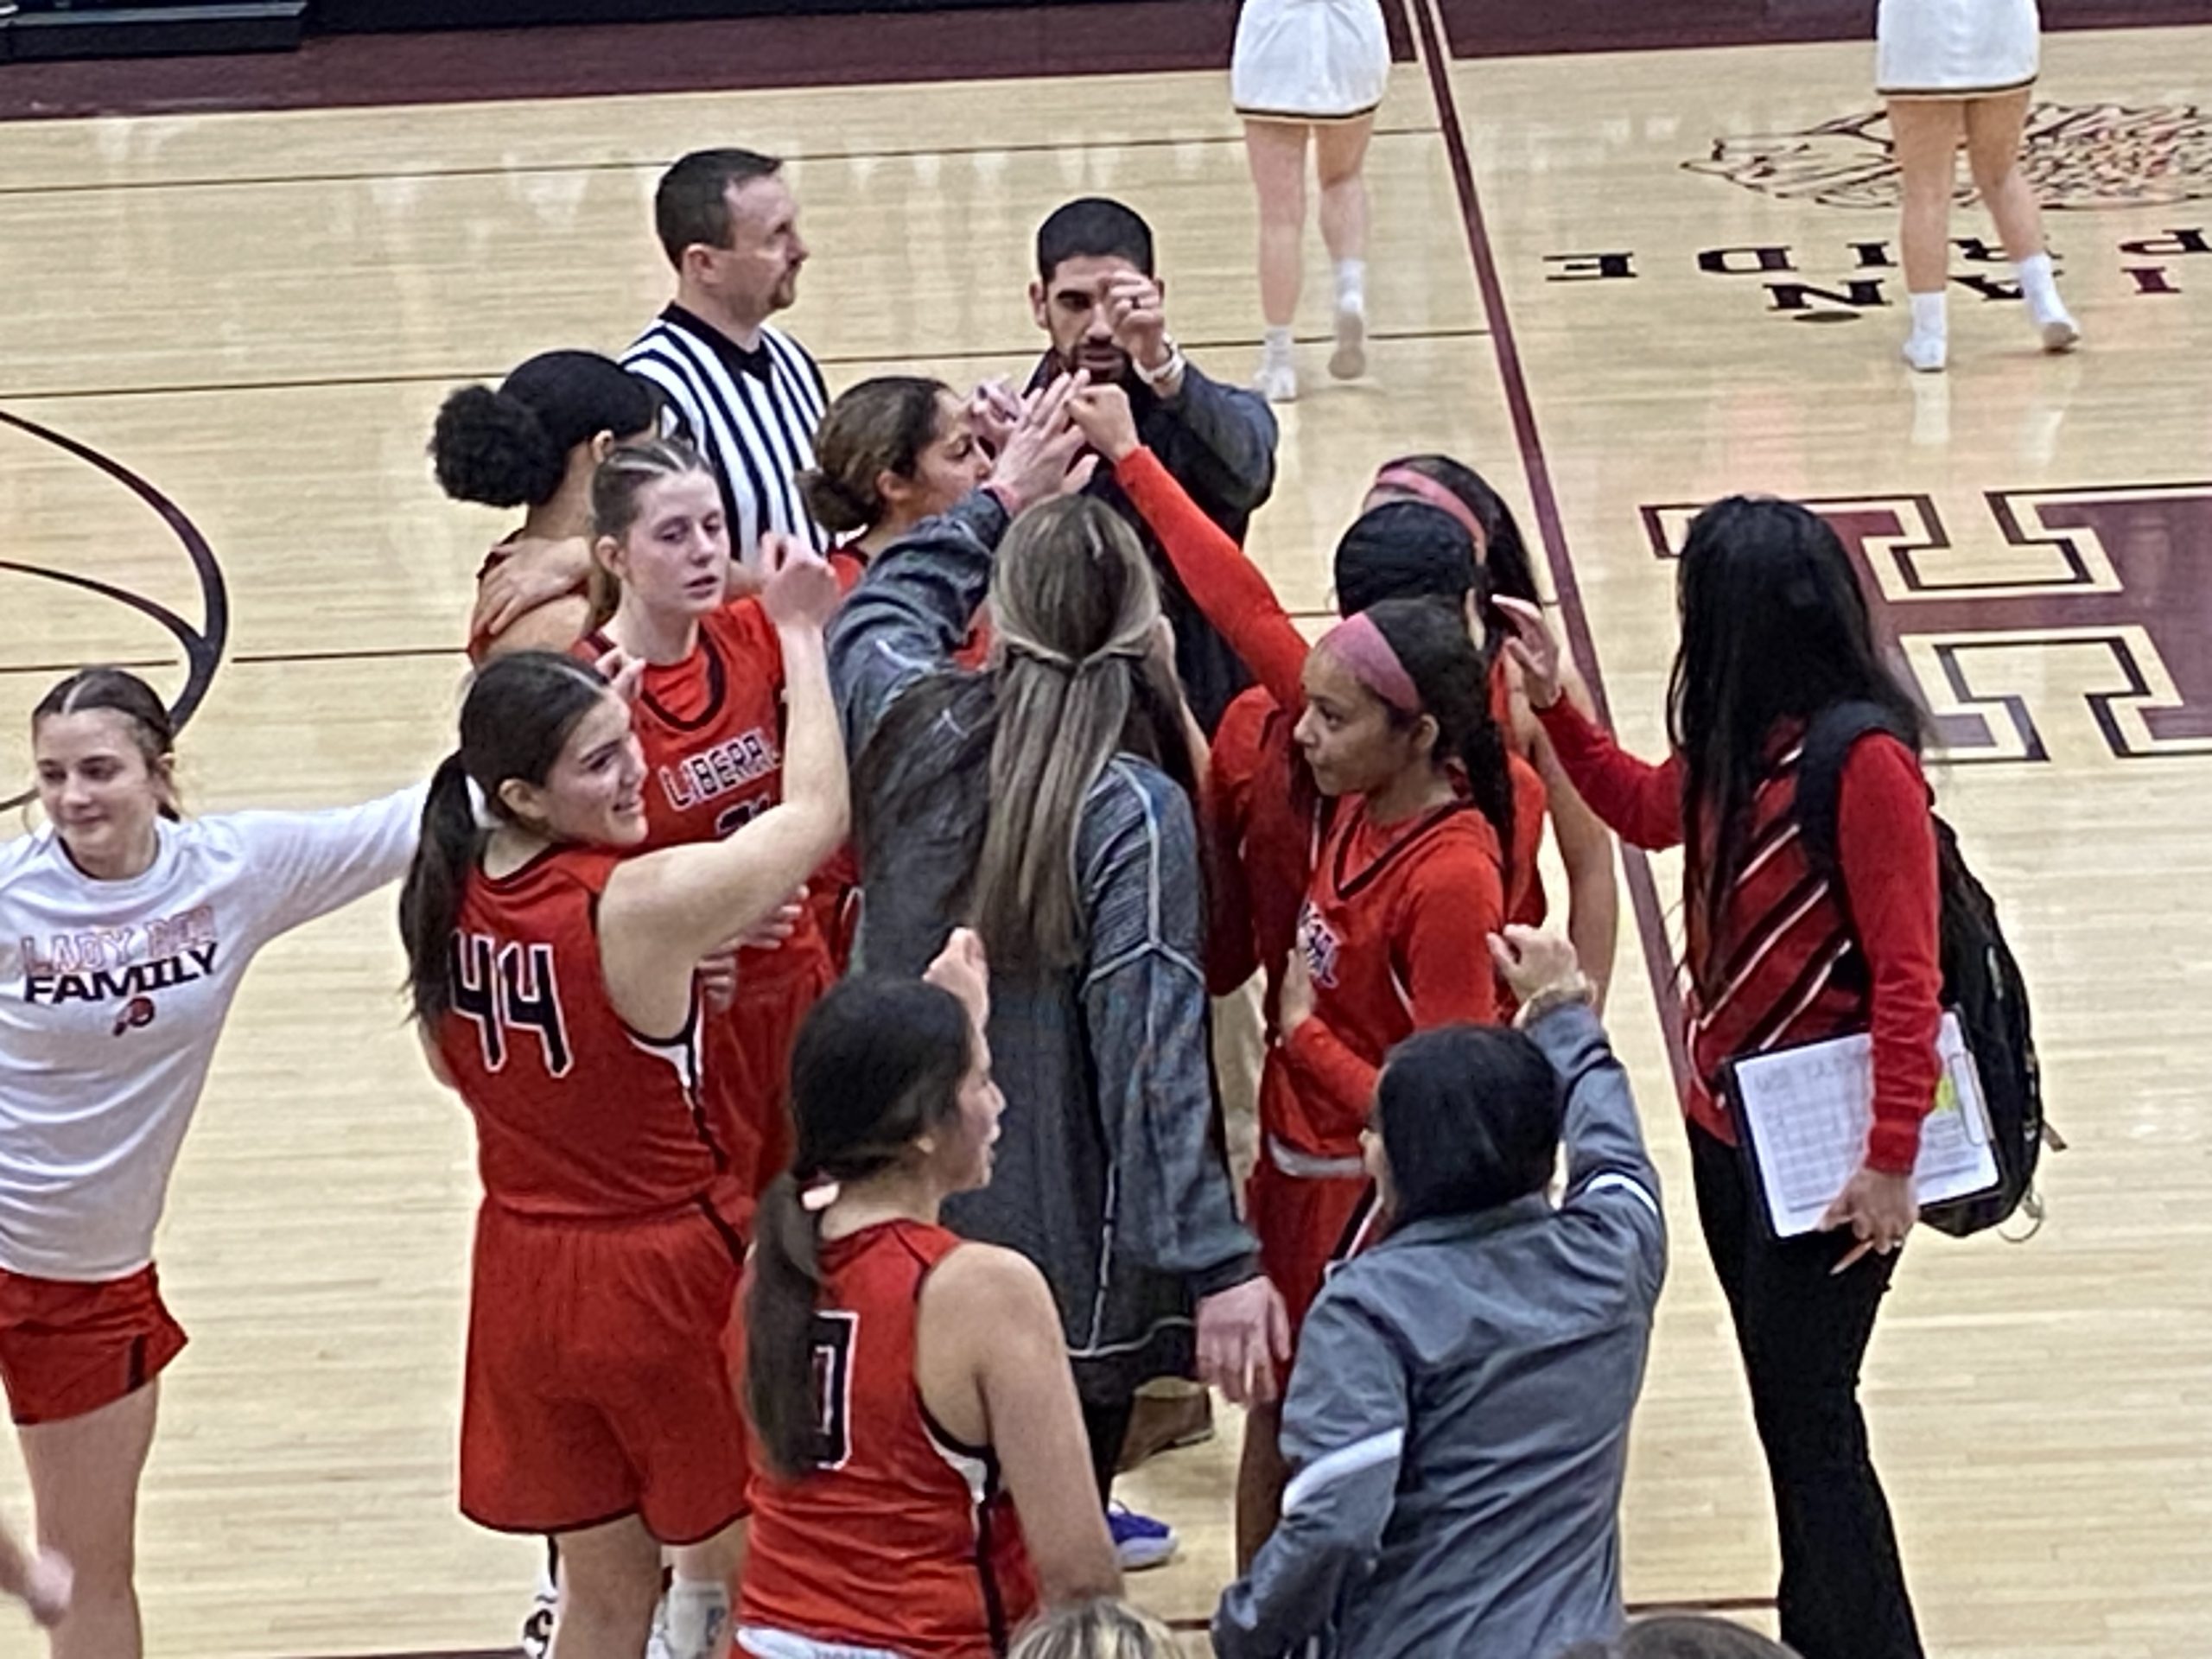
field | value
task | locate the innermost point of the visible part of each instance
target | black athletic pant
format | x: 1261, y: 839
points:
x: 1108, y: 1426
x: 1802, y: 1331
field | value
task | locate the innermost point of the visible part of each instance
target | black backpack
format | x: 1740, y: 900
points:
x: 1981, y: 981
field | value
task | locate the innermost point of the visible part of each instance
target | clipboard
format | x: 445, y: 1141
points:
x: 1803, y: 1115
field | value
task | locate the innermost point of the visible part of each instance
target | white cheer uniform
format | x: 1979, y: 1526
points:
x: 1955, y: 48
x: 113, y: 995
x: 1309, y: 60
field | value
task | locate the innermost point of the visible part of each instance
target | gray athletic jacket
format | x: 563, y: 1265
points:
x: 1109, y: 1173
x: 1458, y: 1420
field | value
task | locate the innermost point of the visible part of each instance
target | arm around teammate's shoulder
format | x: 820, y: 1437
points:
x: 988, y: 1315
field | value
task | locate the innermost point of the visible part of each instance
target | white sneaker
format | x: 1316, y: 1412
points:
x: 2060, y: 333
x: 1349, y: 360
x: 1926, y: 353
x: 1277, y: 380
x: 537, y: 1638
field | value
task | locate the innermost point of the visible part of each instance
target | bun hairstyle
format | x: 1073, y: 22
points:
x: 117, y: 691
x: 509, y: 447
x: 878, y: 426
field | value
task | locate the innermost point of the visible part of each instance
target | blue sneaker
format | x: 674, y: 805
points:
x: 1139, y: 1540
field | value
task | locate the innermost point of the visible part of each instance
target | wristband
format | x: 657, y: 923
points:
x: 1159, y: 376
x: 1559, y: 995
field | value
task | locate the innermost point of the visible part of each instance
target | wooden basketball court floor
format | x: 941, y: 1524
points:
x: 1620, y: 284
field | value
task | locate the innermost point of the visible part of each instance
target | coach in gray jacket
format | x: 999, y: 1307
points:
x: 1457, y: 1425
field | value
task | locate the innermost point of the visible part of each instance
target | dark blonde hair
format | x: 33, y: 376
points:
x: 878, y: 426
x: 618, y: 492
x: 1104, y: 1629
x: 117, y: 691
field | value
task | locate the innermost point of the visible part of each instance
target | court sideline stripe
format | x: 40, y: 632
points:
x: 1026, y: 352
x: 795, y: 158
x: 1643, y: 885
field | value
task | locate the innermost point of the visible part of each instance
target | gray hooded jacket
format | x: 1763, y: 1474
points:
x: 1458, y: 1422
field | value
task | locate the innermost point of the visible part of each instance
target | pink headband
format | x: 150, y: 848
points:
x: 1406, y: 482
x: 1359, y: 645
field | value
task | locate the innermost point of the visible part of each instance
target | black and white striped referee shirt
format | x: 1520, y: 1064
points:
x: 752, y: 414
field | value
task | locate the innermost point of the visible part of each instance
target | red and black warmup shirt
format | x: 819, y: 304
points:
x: 903, y: 1539
x: 1791, y: 964
x: 538, y: 1051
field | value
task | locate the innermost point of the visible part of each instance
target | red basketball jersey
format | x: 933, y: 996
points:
x: 1255, y: 820
x: 578, y: 1118
x: 1394, y: 932
x: 903, y: 1537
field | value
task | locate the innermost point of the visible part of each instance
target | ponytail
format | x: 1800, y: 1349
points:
x: 514, y: 723
x: 1452, y: 677
x: 780, y: 1394
x: 878, y: 1063
x: 429, y: 901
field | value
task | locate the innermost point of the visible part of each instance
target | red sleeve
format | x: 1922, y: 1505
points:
x: 1885, y: 844
x: 1453, y: 897
x: 1226, y: 586
x: 1640, y: 803
x: 1234, y: 760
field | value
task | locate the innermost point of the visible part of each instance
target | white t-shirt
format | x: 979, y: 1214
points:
x: 113, y: 995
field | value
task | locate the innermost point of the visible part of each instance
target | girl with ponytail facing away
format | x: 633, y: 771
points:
x: 533, y: 442
x: 552, y: 974
x: 923, y: 1468
x: 1047, y: 802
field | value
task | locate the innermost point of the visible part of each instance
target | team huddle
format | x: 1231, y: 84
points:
x: 891, y: 841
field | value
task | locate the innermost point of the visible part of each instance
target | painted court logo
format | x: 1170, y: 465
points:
x: 2075, y: 156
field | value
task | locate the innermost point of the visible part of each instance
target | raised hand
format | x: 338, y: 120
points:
x: 1531, y: 961
x: 800, y: 590
x: 994, y: 408
x: 1138, y: 319
x: 963, y: 968
x: 1103, y: 415
x: 1533, y: 650
x: 1043, y: 457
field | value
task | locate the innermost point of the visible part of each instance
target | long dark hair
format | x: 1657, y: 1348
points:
x: 514, y: 723
x: 877, y: 1064
x: 118, y: 691
x: 1506, y: 561
x: 1774, y: 628
x: 1074, y: 681
x: 1469, y: 1115
x: 1429, y: 637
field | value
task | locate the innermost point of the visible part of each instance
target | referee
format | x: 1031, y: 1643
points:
x: 747, y: 396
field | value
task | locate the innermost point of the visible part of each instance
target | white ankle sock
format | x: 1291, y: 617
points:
x: 2039, y: 289
x: 1275, y: 344
x: 698, y: 1615
x: 1351, y: 284
x: 1927, y: 345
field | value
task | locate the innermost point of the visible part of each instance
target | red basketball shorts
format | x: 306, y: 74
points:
x: 755, y: 1087
x: 69, y: 1347
x: 1301, y: 1220
x: 598, y: 1383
